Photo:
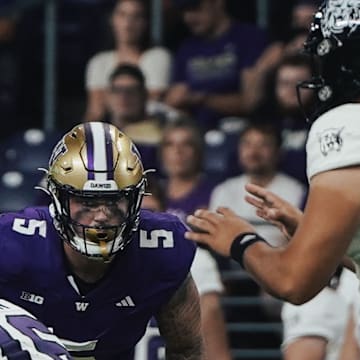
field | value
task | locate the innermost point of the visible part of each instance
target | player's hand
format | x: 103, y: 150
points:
x: 274, y: 209
x: 216, y: 229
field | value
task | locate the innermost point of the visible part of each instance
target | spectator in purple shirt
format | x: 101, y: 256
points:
x: 208, y: 65
x: 187, y: 187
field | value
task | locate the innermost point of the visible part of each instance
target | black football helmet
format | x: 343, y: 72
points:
x: 334, y: 44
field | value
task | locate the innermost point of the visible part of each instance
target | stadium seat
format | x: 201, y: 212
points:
x: 219, y: 154
x: 28, y: 150
x: 17, y: 189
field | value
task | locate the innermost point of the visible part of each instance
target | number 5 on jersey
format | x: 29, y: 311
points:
x: 158, y: 238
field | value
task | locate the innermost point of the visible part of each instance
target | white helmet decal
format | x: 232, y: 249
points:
x: 338, y: 15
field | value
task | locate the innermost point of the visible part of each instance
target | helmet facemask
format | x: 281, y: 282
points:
x: 100, y: 241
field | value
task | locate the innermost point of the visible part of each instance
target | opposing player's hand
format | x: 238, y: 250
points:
x: 274, y: 209
x: 216, y: 229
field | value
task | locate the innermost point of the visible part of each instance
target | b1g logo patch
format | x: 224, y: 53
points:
x: 330, y: 140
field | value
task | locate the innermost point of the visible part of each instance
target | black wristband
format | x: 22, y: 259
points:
x: 241, y: 243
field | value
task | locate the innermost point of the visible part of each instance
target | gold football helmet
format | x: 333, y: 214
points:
x: 98, y: 167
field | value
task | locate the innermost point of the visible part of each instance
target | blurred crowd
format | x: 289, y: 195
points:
x: 211, y: 107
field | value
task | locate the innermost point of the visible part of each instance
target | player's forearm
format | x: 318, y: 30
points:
x: 282, y: 275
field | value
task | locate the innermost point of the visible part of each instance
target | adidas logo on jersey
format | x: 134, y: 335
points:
x: 126, y: 302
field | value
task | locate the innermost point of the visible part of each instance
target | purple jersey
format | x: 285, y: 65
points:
x: 23, y: 337
x: 214, y: 65
x: 107, y: 322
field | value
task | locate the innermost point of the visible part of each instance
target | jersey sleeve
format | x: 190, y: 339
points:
x: 334, y: 140
x: 164, y: 246
x: 205, y: 273
x: 10, y: 265
x: 324, y: 316
x: 184, y: 253
x: 18, y: 233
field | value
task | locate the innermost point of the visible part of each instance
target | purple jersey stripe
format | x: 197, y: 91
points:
x: 89, y: 151
x: 109, y: 153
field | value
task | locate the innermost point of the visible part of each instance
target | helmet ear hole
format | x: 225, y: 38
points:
x: 325, y: 93
x: 324, y: 47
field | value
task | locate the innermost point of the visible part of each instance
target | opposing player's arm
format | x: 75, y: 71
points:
x: 300, y: 270
x: 179, y: 324
x: 279, y: 212
x: 329, y: 223
x: 274, y: 209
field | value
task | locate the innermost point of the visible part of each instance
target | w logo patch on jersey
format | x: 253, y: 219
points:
x: 81, y: 306
x: 330, y: 140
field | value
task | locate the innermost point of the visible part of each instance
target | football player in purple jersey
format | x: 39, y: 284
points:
x: 93, y: 266
x: 23, y: 337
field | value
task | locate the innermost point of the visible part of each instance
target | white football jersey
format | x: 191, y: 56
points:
x: 325, y: 315
x: 334, y: 140
x: 333, y: 143
x: 22, y: 336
